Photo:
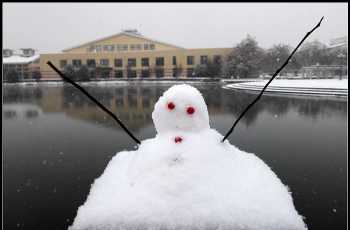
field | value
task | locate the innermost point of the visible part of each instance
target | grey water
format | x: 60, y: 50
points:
x: 56, y: 142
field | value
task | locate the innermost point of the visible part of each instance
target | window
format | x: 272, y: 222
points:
x: 152, y: 46
x: 159, y: 72
x: 91, y: 48
x: 63, y: 63
x: 204, y: 60
x: 159, y: 61
x: 190, y: 72
x: 122, y: 47
x: 110, y: 48
x: 132, y: 47
x: 131, y: 73
x: 103, y: 72
x: 118, y: 62
x: 76, y: 62
x: 145, y: 61
x: 190, y: 60
x: 138, y: 47
x: 131, y: 62
x: 104, y: 62
x: 98, y: 48
x: 119, y: 47
x: 145, y: 73
x: 217, y: 59
x: 174, y: 60
x: 91, y: 62
x: 118, y: 73
x: 146, y: 46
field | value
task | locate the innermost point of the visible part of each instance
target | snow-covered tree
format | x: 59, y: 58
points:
x: 245, y: 59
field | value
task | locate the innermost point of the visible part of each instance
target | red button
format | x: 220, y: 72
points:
x: 178, y: 139
x: 171, y: 106
x: 190, y: 110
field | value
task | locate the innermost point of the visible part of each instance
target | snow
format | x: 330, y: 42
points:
x: 16, y: 59
x: 198, y: 183
x: 320, y: 83
x: 320, y: 87
x: 182, y: 96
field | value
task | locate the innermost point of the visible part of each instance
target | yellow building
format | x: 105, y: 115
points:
x: 130, y: 55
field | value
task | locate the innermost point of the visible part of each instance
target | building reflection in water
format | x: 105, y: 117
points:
x: 134, y: 104
x: 21, y: 111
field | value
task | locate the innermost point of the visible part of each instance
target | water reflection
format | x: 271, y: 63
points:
x: 134, y: 104
x: 313, y: 108
x: 57, y: 142
x: 21, y: 111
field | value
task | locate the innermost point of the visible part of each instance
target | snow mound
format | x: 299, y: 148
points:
x: 316, y: 83
x: 186, y: 178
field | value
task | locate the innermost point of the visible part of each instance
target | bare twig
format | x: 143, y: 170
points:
x: 94, y: 100
x: 273, y: 77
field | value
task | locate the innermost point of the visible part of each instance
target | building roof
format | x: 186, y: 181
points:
x: 16, y: 59
x: 127, y: 33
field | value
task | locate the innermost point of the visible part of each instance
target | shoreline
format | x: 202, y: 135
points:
x: 319, y: 88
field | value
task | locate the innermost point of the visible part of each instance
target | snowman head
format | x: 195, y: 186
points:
x: 181, y: 108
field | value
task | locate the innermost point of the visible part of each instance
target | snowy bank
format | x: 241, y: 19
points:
x: 319, y: 87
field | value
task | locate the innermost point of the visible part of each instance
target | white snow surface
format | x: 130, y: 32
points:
x: 16, y: 59
x: 199, y: 183
x: 319, y: 83
x: 182, y: 96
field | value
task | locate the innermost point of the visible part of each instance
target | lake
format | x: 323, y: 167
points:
x: 56, y: 142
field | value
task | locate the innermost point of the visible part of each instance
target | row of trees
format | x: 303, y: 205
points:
x: 247, y: 59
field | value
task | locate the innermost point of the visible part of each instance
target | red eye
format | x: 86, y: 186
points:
x: 178, y: 139
x: 190, y: 110
x: 171, y: 106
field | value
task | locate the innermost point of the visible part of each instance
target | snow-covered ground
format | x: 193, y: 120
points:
x: 16, y: 59
x: 317, y: 87
x: 320, y: 83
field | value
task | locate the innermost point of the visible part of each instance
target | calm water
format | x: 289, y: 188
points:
x: 56, y: 142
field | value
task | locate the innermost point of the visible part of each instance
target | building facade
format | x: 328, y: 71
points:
x: 24, y: 63
x: 130, y: 55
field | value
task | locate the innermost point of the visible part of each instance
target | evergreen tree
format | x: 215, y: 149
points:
x: 83, y: 74
x: 245, y: 60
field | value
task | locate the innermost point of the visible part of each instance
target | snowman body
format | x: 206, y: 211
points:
x: 186, y: 178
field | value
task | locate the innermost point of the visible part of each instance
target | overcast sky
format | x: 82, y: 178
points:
x: 51, y: 27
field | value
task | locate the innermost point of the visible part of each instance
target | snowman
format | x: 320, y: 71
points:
x: 186, y: 178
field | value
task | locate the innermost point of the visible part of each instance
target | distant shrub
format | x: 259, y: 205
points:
x: 209, y: 70
x: 70, y: 72
x: 82, y: 74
